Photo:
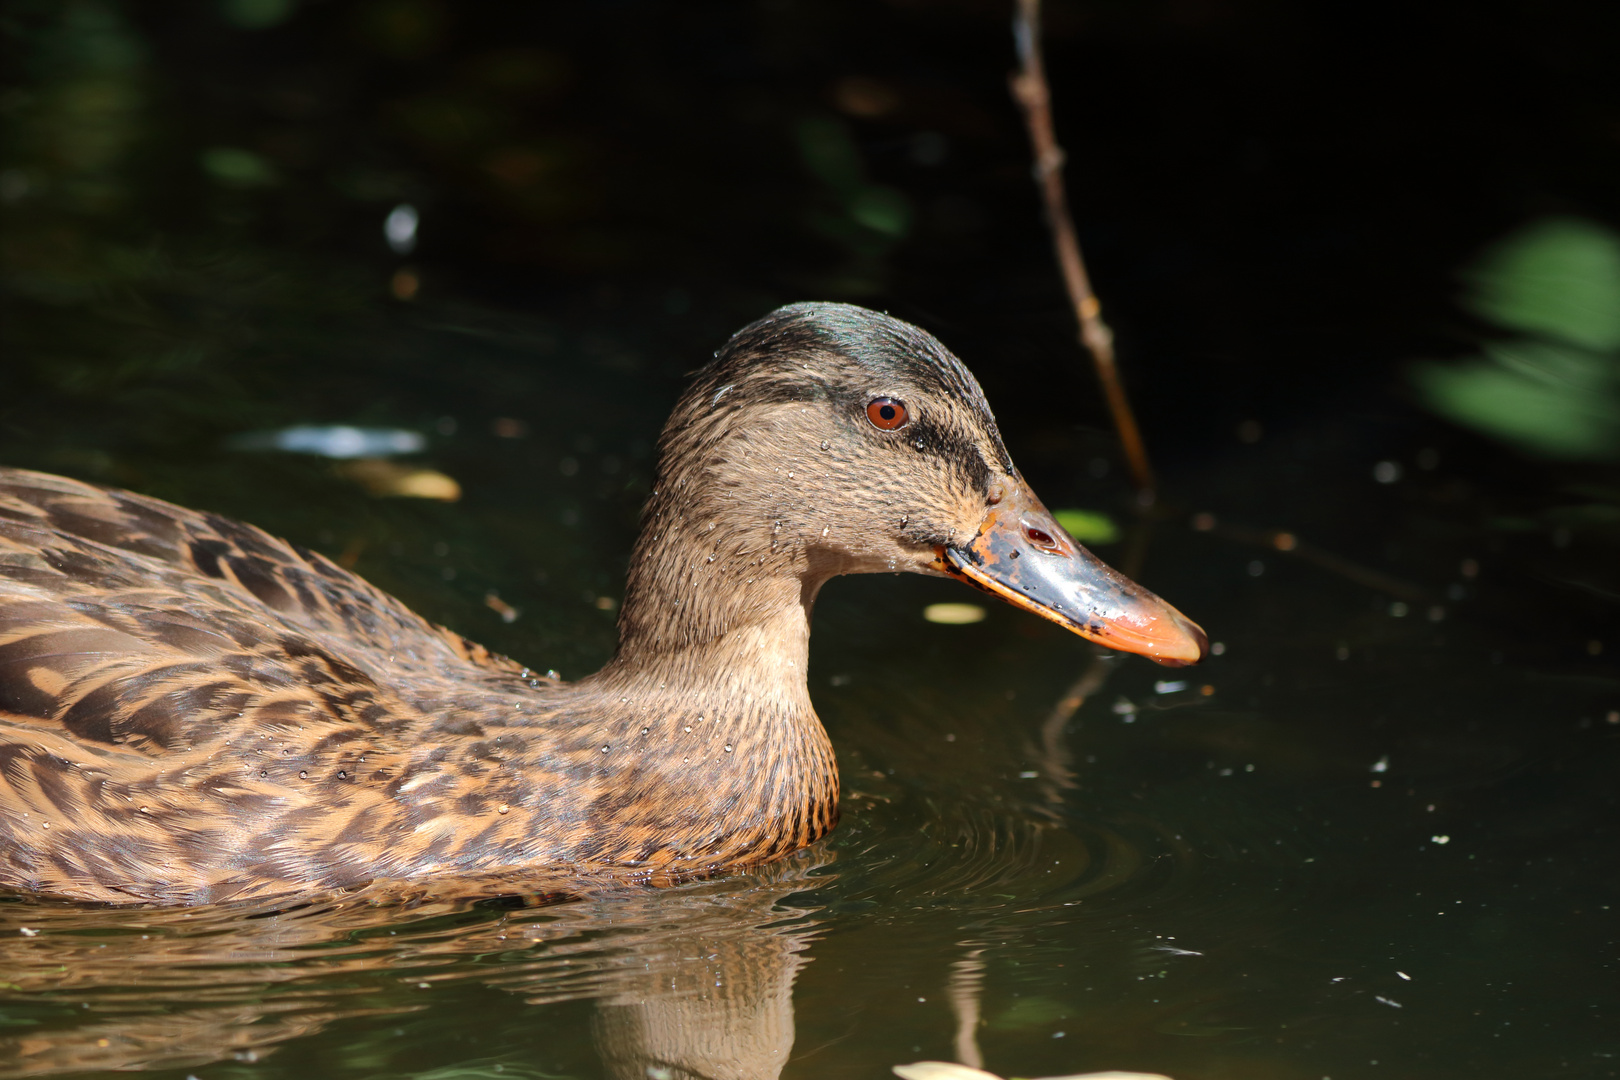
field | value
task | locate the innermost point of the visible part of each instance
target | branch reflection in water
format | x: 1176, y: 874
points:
x: 690, y: 981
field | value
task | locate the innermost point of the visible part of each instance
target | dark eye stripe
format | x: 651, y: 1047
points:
x: 887, y: 414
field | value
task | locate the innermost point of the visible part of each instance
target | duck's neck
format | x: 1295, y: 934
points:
x: 711, y: 671
x: 717, y: 609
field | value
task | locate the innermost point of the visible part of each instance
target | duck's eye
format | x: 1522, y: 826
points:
x: 887, y: 413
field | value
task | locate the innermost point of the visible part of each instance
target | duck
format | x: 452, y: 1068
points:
x: 193, y: 711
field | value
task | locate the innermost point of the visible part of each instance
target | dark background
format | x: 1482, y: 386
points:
x: 1274, y: 196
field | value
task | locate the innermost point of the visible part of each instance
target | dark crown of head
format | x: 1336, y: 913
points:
x: 866, y: 350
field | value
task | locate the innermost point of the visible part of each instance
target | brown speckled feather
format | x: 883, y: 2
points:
x: 192, y: 710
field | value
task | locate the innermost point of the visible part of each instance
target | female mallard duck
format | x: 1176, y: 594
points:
x: 192, y: 710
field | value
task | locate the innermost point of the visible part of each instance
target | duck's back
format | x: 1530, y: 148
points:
x: 192, y: 709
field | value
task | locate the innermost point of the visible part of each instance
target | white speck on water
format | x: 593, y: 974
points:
x: 1124, y: 707
x: 1441, y: 838
x: 1387, y: 1001
x: 1028, y: 774
x: 1169, y: 686
x: 1404, y: 975
x: 1387, y: 472
x: 1218, y: 649
x: 27, y: 931
x: 1381, y: 765
x: 399, y: 228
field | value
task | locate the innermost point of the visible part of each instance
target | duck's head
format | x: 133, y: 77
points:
x: 827, y: 439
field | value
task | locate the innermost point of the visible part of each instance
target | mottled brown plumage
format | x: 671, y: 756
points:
x: 192, y: 710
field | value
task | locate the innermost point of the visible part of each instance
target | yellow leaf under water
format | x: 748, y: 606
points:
x: 390, y: 478
x: 953, y: 614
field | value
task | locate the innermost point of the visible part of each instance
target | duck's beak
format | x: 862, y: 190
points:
x: 1022, y: 555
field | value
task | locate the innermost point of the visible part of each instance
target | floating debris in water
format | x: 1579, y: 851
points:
x: 950, y: 1070
x: 1381, y: 765
x: 405, y: 283
x: 506, y: 611
x: 1169, y: 686
x: 388, y: 478
x: 1440, y: 839
x: 954, y: 614
x: 399, y: 228
x: 333, y: 441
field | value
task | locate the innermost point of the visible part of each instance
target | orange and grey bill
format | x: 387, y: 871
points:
x: 1022, y: 555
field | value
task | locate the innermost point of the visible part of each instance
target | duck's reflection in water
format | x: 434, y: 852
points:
x: 692, y: 981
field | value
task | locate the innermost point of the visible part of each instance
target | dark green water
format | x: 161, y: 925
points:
x: 1374, y: 837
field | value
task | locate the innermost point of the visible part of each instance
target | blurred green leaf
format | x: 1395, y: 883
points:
x: 1559, y: 277
x: 881, y: 209
x: 1556, y: 391
x: 237, y: 167
x: 1088, y: 526
x: 829, y: 151
x: 1553, y: 400
x: 256, y: 14
x: 1028, y: 1012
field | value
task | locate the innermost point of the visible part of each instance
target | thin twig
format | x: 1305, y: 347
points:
x: 1030, y: 90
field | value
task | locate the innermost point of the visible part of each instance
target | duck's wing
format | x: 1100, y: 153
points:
x: 77, y: 538
x: 184, y: 698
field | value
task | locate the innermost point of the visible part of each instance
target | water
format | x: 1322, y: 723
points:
x: 1373, y: 836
